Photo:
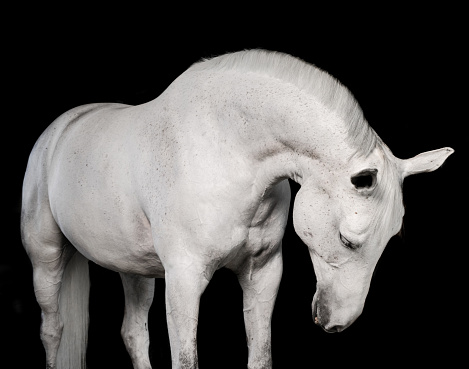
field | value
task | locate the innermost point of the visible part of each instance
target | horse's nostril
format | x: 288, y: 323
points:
x: 333, y: 329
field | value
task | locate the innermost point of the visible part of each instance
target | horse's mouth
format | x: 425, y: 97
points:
x: 315, y: 310
x: 316, y: 319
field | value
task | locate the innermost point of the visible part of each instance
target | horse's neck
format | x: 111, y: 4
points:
x: 286, y: 130
x: 271, y: 125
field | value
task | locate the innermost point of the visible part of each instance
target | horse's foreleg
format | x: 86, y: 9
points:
x: 260, y: 286
x: 184, y: 287
x: 138, y: 299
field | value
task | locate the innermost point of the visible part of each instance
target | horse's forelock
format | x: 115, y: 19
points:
x: 389, y: 196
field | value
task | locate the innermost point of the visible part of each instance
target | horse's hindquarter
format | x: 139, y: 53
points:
x: 94, y: 194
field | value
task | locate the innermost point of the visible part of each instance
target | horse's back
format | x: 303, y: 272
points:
x: 43, y: 150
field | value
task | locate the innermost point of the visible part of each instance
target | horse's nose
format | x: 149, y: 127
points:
x: 329, y: 329
x: 334, y: 328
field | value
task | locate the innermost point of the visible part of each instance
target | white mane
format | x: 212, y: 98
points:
x: 334, y: 96
x: 306, y: 77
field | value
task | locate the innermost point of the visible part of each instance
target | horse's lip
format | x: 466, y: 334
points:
x: 315, y: 315
x: 315, y: 310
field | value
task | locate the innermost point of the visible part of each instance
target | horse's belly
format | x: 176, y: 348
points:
x: 123, y: 246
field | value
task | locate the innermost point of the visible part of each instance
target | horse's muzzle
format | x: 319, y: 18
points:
x: 321, y: 314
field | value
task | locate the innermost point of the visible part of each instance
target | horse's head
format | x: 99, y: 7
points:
x: 346, y: 217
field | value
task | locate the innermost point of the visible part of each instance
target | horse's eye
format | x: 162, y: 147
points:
x: 364, y: 180
x: 348, y: 244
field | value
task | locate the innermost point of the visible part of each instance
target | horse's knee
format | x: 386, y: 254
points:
x: 51, y: 328
x: 129, y: 340
x: 134, y: 338
x: 137, y: 344
x: 128, y: 336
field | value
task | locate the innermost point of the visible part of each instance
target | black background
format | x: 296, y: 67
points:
x: 407, y: 69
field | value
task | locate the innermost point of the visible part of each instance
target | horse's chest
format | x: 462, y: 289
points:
x: 267, y: 227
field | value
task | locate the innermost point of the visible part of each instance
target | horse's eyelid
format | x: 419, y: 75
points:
x: 348, y: 244
x: 360, y: 181
x: 364, y: 172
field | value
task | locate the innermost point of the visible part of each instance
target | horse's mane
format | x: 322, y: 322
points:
x: 307, y: 77
x: 330, y: 92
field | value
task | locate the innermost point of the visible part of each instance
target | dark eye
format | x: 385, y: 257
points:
x: 347, y: 243
x: 366, y: 179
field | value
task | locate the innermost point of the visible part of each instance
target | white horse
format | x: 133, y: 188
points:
x: 195, y: 180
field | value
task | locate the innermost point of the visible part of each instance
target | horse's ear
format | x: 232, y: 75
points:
x: 425, y: 162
